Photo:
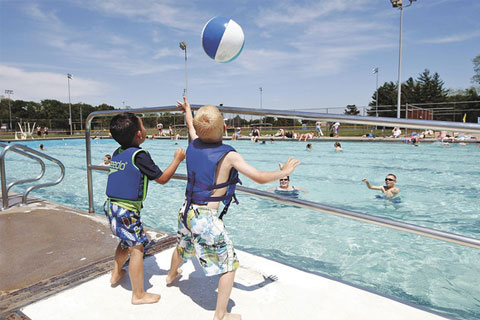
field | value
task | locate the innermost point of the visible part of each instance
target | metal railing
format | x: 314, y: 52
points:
x: 382, y: 121
x: 34, y: 155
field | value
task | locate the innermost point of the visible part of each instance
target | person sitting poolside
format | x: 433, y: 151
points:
x: 396, y: 132
x: 255, y: 135
x: 280, y: 133
x: 306, y: 136
x: 388, y: 189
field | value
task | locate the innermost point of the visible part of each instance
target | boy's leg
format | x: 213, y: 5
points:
x: 121, y: 256
x: 225, y: 284
x: 135, y: 270
x: 174, y: 267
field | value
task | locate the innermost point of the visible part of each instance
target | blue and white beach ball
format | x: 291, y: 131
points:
x: 222, y: 39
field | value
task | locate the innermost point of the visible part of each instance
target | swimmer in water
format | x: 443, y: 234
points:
x: 388, y: 189
x: 285, y: 185
x: 338, y: 146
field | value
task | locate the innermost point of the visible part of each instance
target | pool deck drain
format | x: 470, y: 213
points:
x: 55, y: 264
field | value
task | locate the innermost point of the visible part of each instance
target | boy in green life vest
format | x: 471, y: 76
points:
x: 131, y: 168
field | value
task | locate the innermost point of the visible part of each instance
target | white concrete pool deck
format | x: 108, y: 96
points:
x: 294, y: 295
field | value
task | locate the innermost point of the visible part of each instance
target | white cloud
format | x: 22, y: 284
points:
x: 170, y: 14
x: 454, y: 38
x: 293, y: 13
x: 103, y: 48
x: 36, y: 86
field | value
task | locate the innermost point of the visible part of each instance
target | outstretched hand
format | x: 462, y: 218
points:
x: 179, y: 154
x: 289, y: 166
x: 183, y: 106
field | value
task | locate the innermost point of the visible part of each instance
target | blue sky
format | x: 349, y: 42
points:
x: 304, y: 54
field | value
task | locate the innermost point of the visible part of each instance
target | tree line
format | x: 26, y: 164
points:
x: 427, y: 91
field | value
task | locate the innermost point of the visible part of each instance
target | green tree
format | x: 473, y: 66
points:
x: 430, y: 88
x: 476, y: 68
x: 352, y: 110
x: 387, y: 101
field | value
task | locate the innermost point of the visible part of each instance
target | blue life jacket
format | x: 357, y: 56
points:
x: 125, y: 180
x: 202, y: 161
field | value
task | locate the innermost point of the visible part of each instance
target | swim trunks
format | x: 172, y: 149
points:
x: 125, y: 224
x: 206, y: 238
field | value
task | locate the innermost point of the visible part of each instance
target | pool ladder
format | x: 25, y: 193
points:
x: 34, y: 155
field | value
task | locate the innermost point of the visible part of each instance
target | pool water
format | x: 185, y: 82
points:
x: 439, y: 189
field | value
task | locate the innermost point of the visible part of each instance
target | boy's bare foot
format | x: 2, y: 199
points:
x: 116, y: 277
x: 230, y: 316
x: 172, y: 276
x: 146, y: 298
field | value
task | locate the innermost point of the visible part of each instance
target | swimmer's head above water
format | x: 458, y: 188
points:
x: 390, y: 181
x: 284, y: 182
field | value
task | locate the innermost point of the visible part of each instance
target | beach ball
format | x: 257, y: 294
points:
x: 222, y: 39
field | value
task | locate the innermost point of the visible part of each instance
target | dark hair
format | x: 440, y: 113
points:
x: 123, y: 128
x: 391, y: 174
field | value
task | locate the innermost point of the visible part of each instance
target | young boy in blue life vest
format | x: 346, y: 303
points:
x: 131, y: 168
x: 212, y: 169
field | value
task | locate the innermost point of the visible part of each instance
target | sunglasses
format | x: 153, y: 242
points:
x: 284, y: 180
x: 389, y: 179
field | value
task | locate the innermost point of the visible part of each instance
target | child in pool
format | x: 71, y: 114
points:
x: 388, y: 189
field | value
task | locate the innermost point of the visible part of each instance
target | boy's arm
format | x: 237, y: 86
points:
x: 178, y: 157
x: 370, y: 186
x: 185, y: 107
x: 237, y: 161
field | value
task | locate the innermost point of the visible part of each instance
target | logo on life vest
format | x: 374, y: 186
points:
x: 117, y: 165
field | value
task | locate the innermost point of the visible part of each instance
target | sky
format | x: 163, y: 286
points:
x: 305, y: 55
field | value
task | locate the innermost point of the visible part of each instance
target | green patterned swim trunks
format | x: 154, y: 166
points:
x: 206, y: 238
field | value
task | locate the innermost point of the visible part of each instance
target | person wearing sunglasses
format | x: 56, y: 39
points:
x: 388, y: 189
x: 285, y: 188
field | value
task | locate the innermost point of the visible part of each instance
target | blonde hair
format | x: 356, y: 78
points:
x: 208, y: 123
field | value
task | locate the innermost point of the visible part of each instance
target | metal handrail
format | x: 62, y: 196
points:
x: 382, y: 121
x: 5, y: 188
x: 26, y: 152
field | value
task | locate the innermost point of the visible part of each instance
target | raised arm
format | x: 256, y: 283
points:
x: 185, y: 107
x: 370, y: 186
x: 178, y: 157
x: 236, y: 160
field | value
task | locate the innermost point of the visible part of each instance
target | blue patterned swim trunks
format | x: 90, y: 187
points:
x: 206, y: 238
x: 125, y: 224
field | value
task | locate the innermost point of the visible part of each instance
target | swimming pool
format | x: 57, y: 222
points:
x: 439, y: 189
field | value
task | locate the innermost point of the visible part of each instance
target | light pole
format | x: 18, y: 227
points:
x: 261, y: 91
x: 398, y: 4
x: 375, y: 71
x: 183, y: 46
x: 69, y: 76
x: 9, y: 92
